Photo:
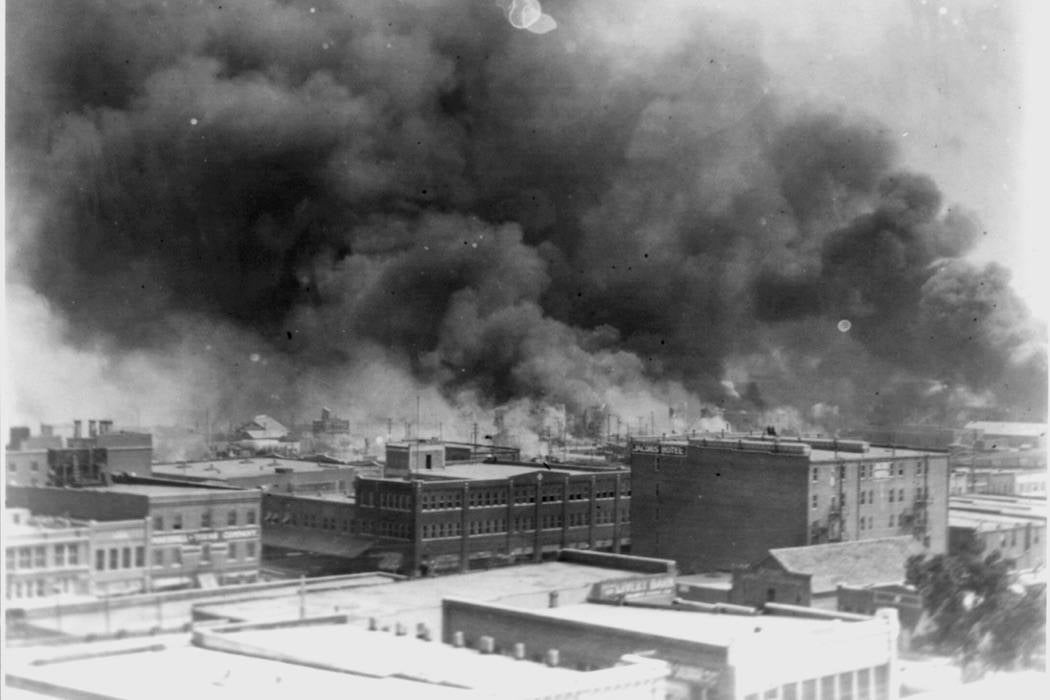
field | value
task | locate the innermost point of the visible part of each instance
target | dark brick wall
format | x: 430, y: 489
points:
x: 79, y: 503
x: 717, y: 509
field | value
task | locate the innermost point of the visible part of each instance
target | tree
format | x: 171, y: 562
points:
x: 976, y: 609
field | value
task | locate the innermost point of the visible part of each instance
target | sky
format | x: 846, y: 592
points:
x: 828, y: 211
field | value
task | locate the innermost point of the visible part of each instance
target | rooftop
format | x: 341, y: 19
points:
x: 714, y: 630
x: 716, y: 580
x: 478, y: 471
x: 856, y: 563
x: 419, y: 600
x: 1030, y: 508
x: 987, y: 522
x: 240, y: 468
x: 1033, y: 430
x: 163, y: 490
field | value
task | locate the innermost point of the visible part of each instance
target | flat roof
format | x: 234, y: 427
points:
x: 1004, y: 505
x: 356, y: 650
x: 874, y: 452
x: 241, y: 468
x: 987, y: 522
x: 478, y: 471
x: 716, y: 630
x: 174, y: 668
x: 161, y: 490
x: 419, y: 600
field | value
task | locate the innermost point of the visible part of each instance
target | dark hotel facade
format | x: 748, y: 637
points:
x: 722, y: 503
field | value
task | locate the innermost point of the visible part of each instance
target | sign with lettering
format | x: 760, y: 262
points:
x: 658, y: 449
x: 636, y: 585
x: 198, y: 536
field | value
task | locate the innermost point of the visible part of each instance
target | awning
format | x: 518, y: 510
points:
x: 330, y: 544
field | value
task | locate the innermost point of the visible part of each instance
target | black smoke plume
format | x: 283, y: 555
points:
x: 293, y: 197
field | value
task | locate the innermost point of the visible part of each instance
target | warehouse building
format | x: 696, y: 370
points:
x: 722, y: 503
x: 428, y: 515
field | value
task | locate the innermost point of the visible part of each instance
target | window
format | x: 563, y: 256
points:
x: 158, y: 557
x: 900, y: 495
x: 231, y: 518
x: 73, y: 555
x: 10, y: 559
x: 140, y: 557
x: 12, y: 467
x: 125, y: 559
x: 249, y: 550
x: 114, y: 558
x: 60, y: 555
x: 234, y: 551
x: 206, y: 554
x: 891, y: 495
x: 100, y: 560
x: 250, y: 516
x: 862, y: 499
x: 815, y: 500
x: 40, y: 557
x: 158, y: 522
x: 176, y: 556
x: 892, y: 518
x: 34, y: 466
x: 816, y: 475
x: 206, y: 519
x: 177, y: 522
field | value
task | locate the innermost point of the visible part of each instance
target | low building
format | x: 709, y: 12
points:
x: 317, y: 658
x: 995, y: 435
x: 812, y: 575
x: 1016, y: 528
x: 712, y: 655
x: 1003, y: 482
x: 272, y: 474
x: 265, y: 434
x: 196, y: 536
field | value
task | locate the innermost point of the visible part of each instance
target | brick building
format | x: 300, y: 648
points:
x: 721, y: 503
x: 49, y: 460
x: 450, y: 516
x: 194, y: 536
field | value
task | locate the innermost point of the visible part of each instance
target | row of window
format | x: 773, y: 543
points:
x: 867, y: 522
x: 869, y: 497
x: 42, y: 588
x: 62, y: 555
x: 363, y: 526
x: 12, y: 466
x: 872, y: 471
x: 863, y: 684
x: 172, y: 556
x: 119, y: 558
x: 522, y: 523
x: 206, y: 520
x: 522, y: 495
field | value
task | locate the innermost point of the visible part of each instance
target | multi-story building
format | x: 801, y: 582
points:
x: 427, y: 515
x: 52, y: 557
x: 195, y: 536
x: 720, y: 503
x: 1003, y: 482
x: 47, y: 460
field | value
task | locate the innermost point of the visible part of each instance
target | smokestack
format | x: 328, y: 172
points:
x: 92, y: 428
x: 76, y: 428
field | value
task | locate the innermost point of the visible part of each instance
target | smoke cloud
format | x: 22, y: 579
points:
x: 262, y: 205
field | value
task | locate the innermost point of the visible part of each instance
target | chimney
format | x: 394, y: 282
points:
x: 486, y: 645
x: 47, y: 430
x: 76, y: 429
x: 519, y: 651
x: 325, y: 415
x: 552, y: 658
x: 92, y: 428
x: 105, y: 427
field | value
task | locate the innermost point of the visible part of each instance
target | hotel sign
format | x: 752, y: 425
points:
x: 638, y: 585
x: 658, y: 449
x: 199, y: 536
